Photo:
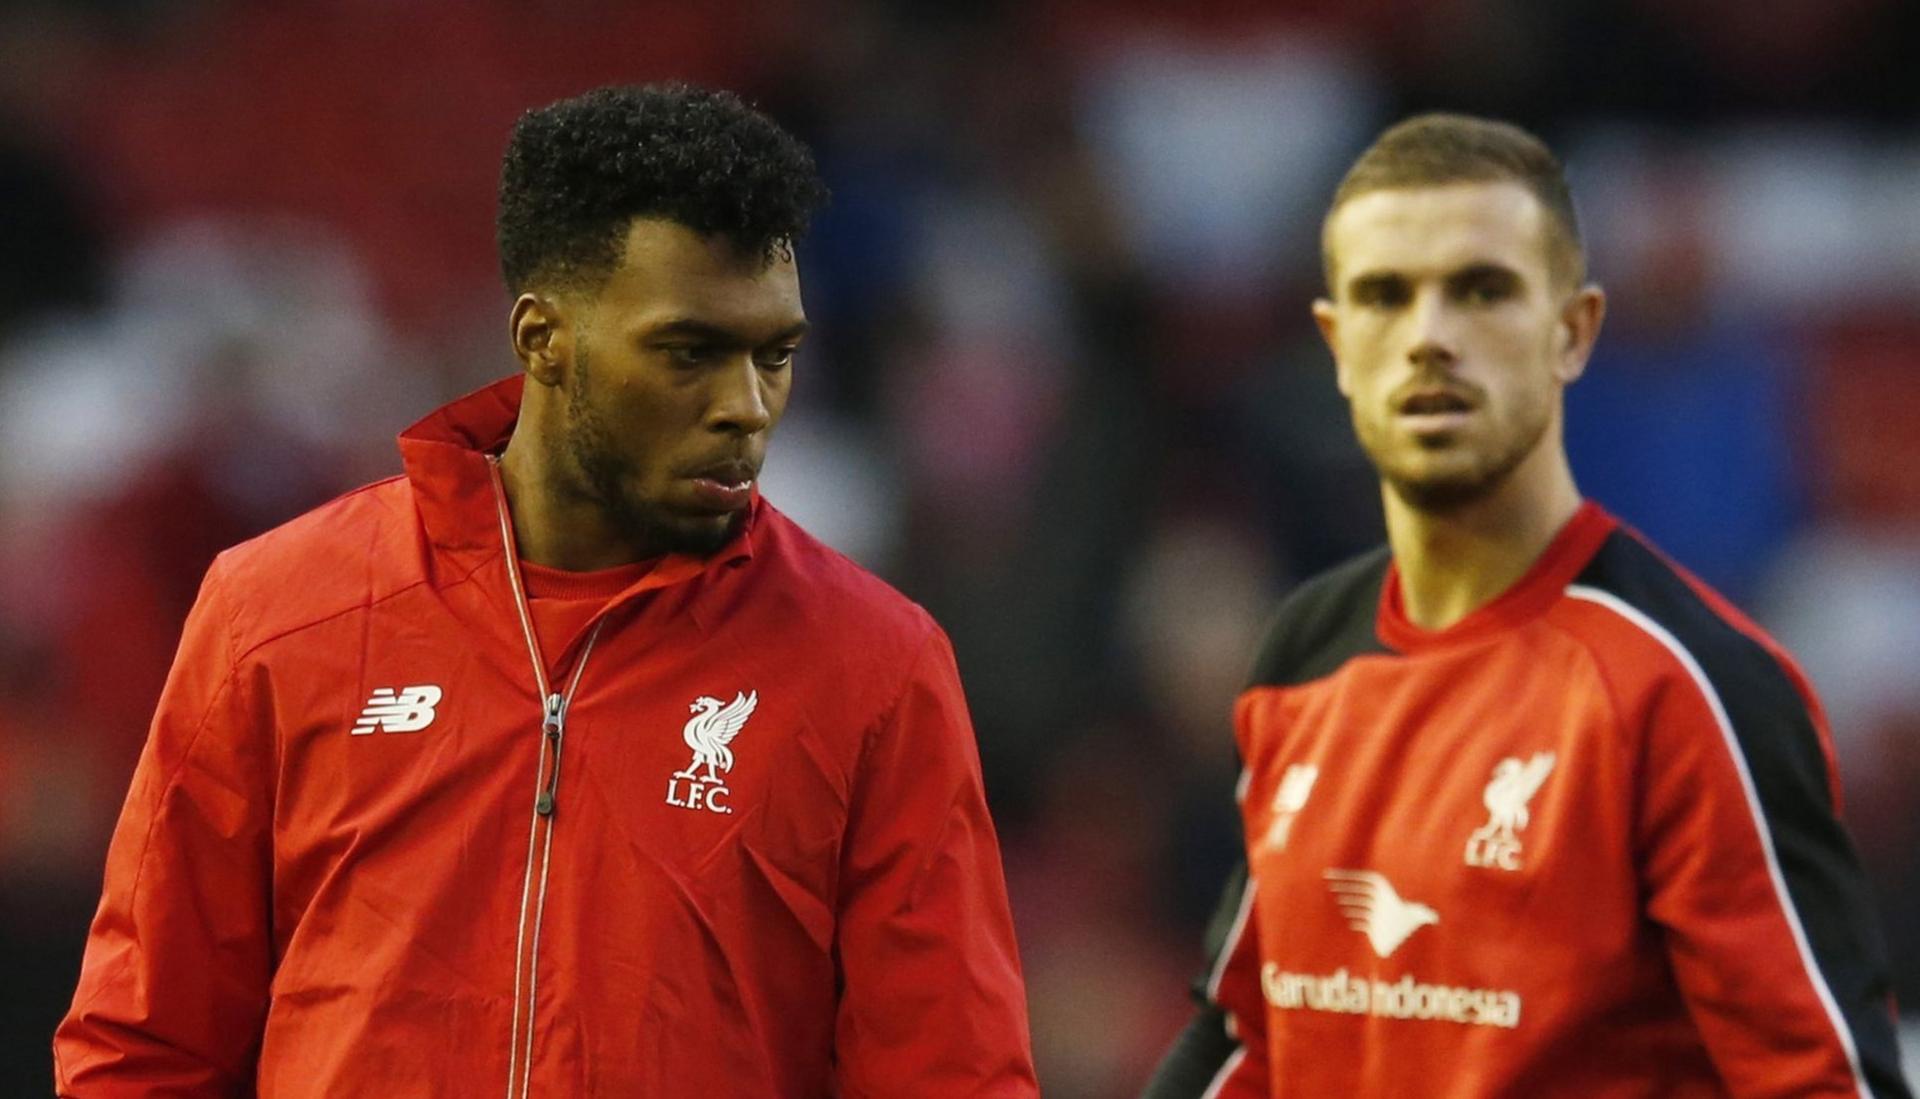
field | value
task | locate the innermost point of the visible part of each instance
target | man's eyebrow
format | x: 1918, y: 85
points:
x: 1373, y: 280
x: 713, y: 333
x: 1483, y: 269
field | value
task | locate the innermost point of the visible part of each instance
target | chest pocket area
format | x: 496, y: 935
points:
x: 742, y: 829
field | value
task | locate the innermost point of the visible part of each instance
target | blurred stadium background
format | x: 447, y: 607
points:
x: 1064, y: 389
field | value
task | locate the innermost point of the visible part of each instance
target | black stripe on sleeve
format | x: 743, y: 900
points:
x: 1775, y: 730
x: 1221, y: 939
x: 1197, y: 1056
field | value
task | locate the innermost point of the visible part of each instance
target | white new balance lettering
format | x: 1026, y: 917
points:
x: 407, y: 710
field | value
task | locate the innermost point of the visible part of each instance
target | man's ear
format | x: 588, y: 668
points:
x: 1327, y: 319
x: 542, y: 337
x: 1580, y: 320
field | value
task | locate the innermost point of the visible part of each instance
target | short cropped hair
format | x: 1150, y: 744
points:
x: 1433, y: 150
x: 578, y: 172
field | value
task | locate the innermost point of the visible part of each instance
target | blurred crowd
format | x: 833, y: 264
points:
x: 1063, y: 391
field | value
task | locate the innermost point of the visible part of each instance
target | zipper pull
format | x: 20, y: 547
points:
x: 551, y: 726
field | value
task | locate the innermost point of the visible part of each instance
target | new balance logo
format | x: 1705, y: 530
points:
x: 1372, y: 908
x: 406, y: 711
x: 1291, y: 797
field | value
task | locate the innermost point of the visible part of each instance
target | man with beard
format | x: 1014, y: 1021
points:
x: 564, y: 764
x: 1528, y: 810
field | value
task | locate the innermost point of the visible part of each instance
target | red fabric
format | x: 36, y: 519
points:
x: 564, y: 603
x: 1634, y: 935
x: 295, y: 909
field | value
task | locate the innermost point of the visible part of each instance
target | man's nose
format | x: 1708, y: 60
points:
x: 1430, y: 331
x: 739, y: 402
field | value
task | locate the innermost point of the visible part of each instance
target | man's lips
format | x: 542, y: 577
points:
x: 1435, y: 401
x: 1430, y: 409
x: 724, y: 486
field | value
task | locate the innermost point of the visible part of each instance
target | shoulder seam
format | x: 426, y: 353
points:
x: 1611, y: 689
x: 365, y: 605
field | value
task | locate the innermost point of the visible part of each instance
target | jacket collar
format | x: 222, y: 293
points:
x: 446, y: 459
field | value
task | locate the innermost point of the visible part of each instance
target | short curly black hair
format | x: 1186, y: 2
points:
x: 578, y: 172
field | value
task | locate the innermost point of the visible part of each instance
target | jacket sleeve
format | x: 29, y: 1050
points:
x: 173, y: 986
x: 1222, y: 1053
x: 931, y: 1004
x: 1753, y: 880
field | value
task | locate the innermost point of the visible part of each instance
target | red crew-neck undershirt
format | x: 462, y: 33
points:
x: 562, y: 602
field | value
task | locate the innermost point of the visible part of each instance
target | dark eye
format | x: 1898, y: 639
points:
x: 1383, y: 293
x: 1485, y: 288
x: 774, y: 358
x: 691, y: 354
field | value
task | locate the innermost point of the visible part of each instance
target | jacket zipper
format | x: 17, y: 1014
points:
x: 551, y: 727
x: 533, y: 899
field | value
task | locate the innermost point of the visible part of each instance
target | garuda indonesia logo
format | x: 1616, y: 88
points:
x: 709, y: 733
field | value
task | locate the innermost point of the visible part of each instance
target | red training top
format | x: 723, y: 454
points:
x: 1583, y: 843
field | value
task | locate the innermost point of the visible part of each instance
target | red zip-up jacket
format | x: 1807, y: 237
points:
x: 730, y: 840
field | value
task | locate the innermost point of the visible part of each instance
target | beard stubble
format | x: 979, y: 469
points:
x: 606, y: 477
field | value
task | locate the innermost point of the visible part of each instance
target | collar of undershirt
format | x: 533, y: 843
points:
x: 544, y: 582
x: 1527, y: 599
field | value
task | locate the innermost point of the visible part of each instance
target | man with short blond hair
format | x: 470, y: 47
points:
x: 1528, y: 810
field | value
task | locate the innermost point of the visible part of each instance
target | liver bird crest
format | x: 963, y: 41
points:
x: 1513, y: 786
x: 713, y: 726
